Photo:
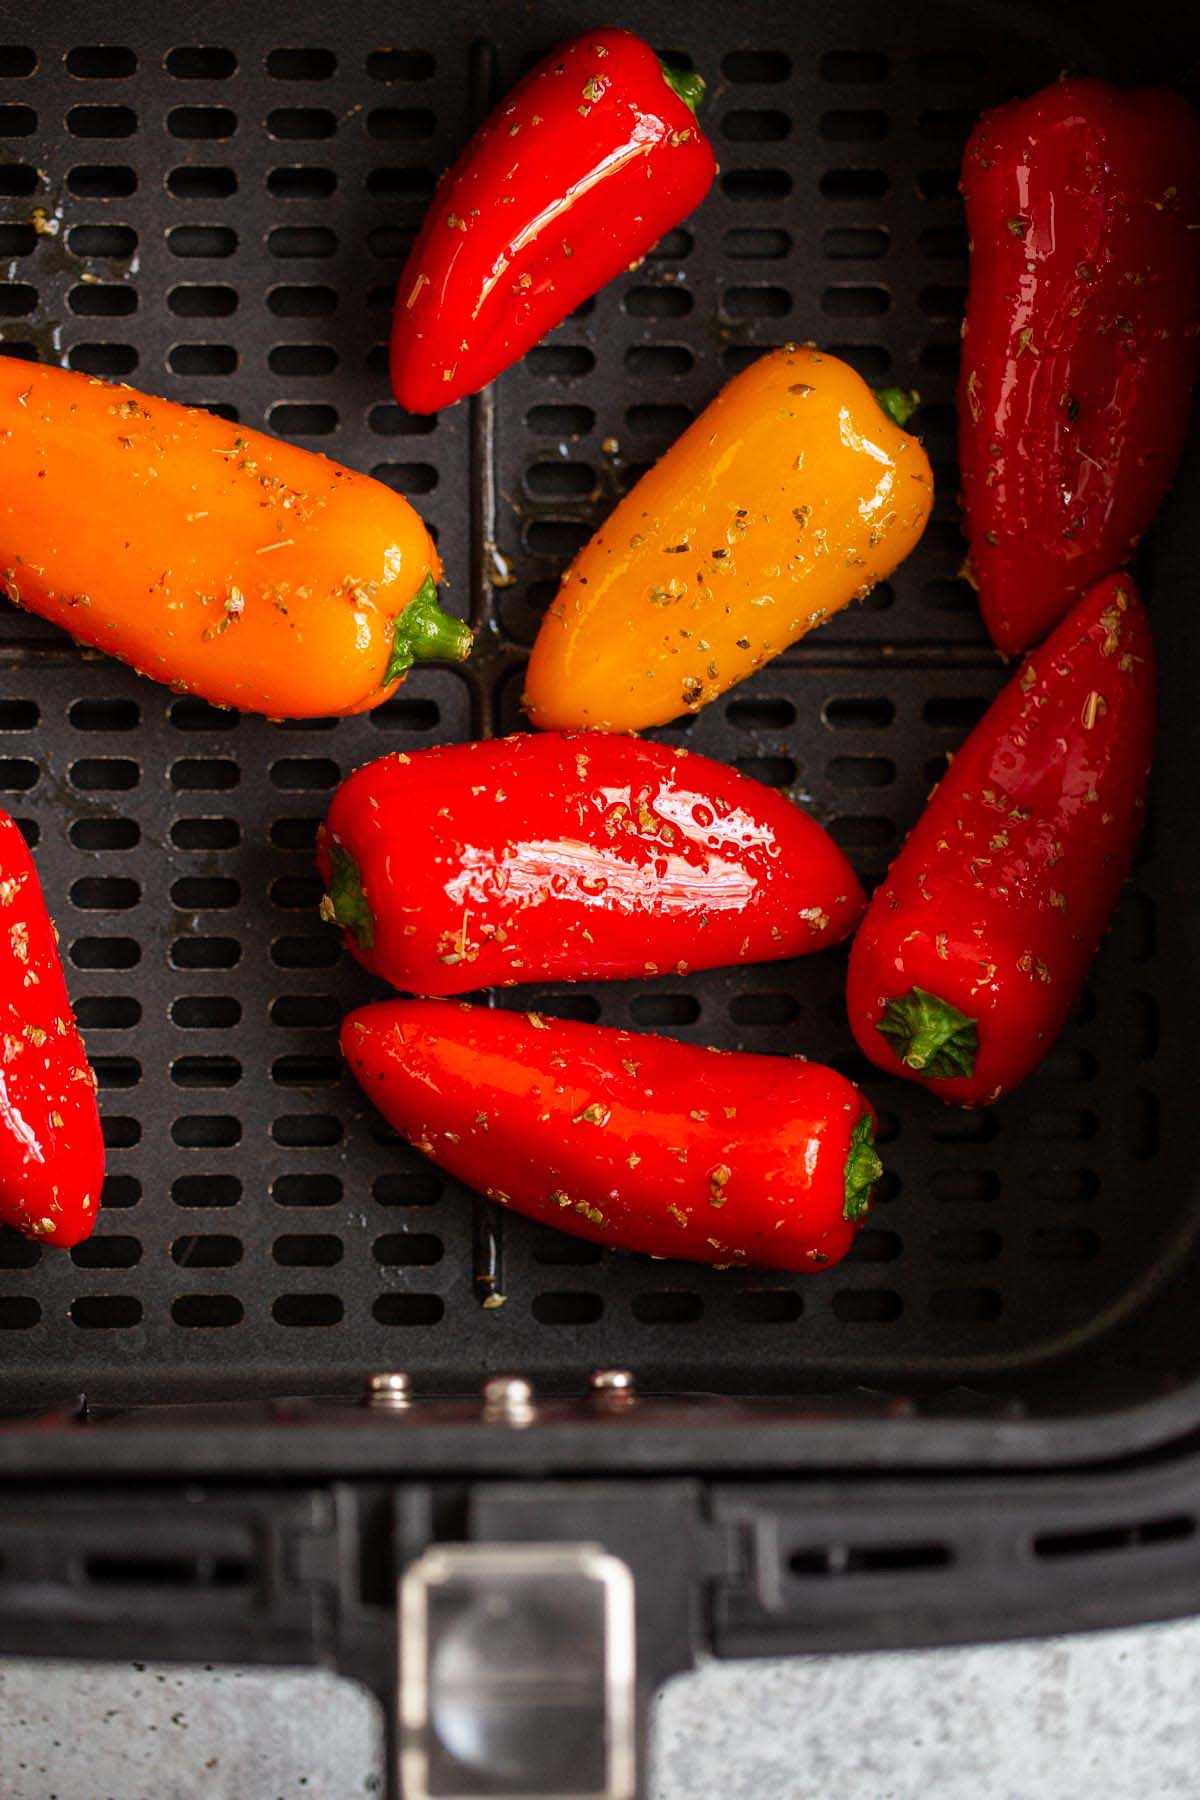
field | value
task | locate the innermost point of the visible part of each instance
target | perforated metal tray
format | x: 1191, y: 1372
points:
x: 223, y: 221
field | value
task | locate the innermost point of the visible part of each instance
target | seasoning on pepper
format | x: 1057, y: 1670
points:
x: 221, y: 561
x: 550, y: 857
x: 51, y: 1150
x: 629, y: 1140
x: 977, y: 944
x: 1081, y: 344
x: 790, y: 496
x: 590, y: 159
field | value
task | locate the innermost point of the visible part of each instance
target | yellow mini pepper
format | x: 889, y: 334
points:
x: 792, y: 494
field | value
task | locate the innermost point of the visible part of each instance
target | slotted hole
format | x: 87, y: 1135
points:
x: 401, y: 184
x: 107, y: 1253
x: 301, y: 301
x: 119, y: 1132
x: 772, y: 771
x: 964, y: 1244
x: 766, y: 1306
x: 202, y: 123
x: 105, y: 834
x: 302, y: 240
x: 407, y: 478
x: 105, y: 1312
x: 309, y: 1250
x: 866, y: 1306
x: 765, y: 714
x: 756, y: 65
x: 205, y: 953
x: 17, y: 774
x: 854, y: 125
x: 567, y: 1308
x: 404, y: 714
x: 200, y: 62
x: 668, y: 1306
x: 288, y: 419
x: 301, y: 182
x: 299, y: 1310
x: 107, y: 1012
x: 301, y: 124
x: 206, y: 1012
x: 408, y: 1309
x: 202, y: 359
x: 103, y: 359
x: 199, y: 300
x: 306, y: 1131
x: 17, y: 61
x: 202, y: 183
x: 105, y: 893
x: 659, y: 1010
x: 560, y: 480
x: 836, y: 1560
x: 206, y: 1131
x: 584, y: 1008
x: 18, y: 1252
x: 301, y: 64
x: 966, y: 1305
x: 101, y: 300
x: 658, y: 302
x: 17, y: 299
x: 206, y: 834
x: 202, y: 240
x: 555, y: 1250
x: 204, y: 774
x: 853, y: 67
x: 854, y: 184
x: 756, y: 125
x: 116, y: 1071
x: 106, y: 953
x: 213, y: 1312
x: 560, y: 361
x: 206, y: 1190
x: 862, y: 771
x: 560, y: 421
x: 18, y: 179
x: 120, y: 1192
x: 293, y: 892
x: 206, y: 1071
x: 305, y: 1071
x: 403, y: 1249
x: 409, y: 1187
x: 400, y: 124
x: 306, y: 1190
x: 763, y: 1009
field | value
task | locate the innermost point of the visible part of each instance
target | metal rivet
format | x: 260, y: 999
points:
x: 612, y: 1384
x: 389, y: 1392
x: 508, y: 1398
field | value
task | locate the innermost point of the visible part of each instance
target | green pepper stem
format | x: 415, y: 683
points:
x: 898, y: 404
x: 346, y: 903
x: 863, y: 1169
x: 424, y: 632
x: 686, y: 83
x: 930, y: 1035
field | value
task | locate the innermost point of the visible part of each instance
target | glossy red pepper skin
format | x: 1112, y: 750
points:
x: 629, y: 1140
x: 976, y: 946
x: 575, y: 175
x: 1080, y: 347
x: 564, y: 856
x: 51, y: 1150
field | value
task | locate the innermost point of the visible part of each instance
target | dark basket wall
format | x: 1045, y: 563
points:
x: 223, y: 222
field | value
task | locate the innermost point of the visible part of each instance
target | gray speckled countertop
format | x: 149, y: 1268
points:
x: 1114, y: 1716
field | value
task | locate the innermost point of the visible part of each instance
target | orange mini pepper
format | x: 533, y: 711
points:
x: 792, y: 494
x: 212, y: 557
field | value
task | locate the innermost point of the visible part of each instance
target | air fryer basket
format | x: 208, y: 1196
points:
x: 223, y: 222
x: 214, y: 204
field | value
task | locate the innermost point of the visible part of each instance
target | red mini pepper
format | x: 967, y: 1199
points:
x: 564, y: 856
x: 976, y: 946
x: 51, y: 1150
x: 1080, y: 346
x: 629, y: 1140
x: 575, y: 175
